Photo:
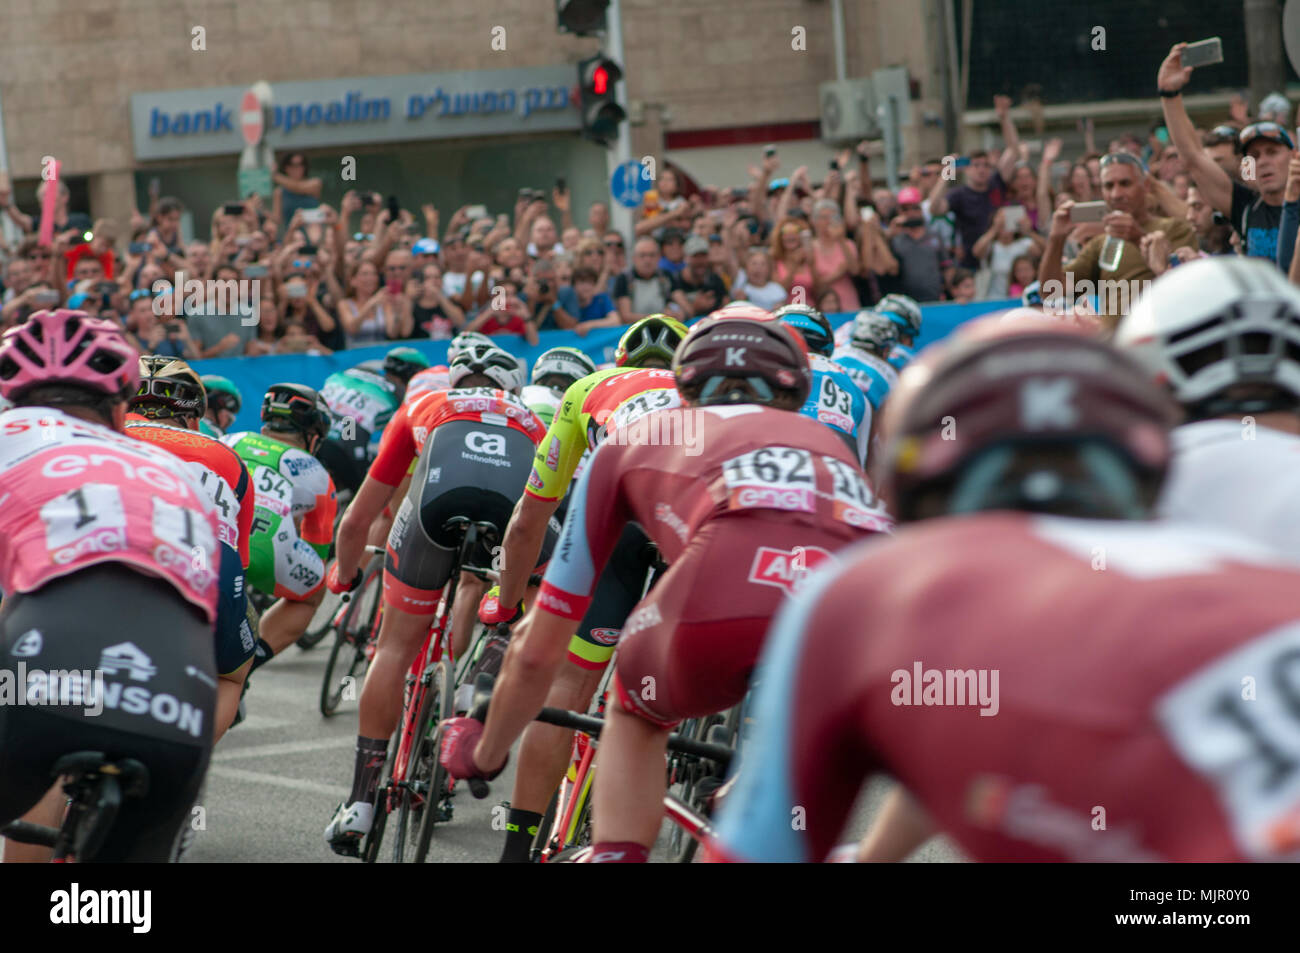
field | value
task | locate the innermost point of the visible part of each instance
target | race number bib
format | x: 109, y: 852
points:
x: 773, y: 478
x: 855, y: 504
x: 1246, y: 744
x: 834, y: 406
x: 273, y: 491
x: 346, y: 401
x: 89, y: 519
x: 637, y: 407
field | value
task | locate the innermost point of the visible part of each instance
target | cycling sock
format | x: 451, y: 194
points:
x: 371, y: 755
x: 521, y: 829
x: 261, y: 655
x: 619, y: 852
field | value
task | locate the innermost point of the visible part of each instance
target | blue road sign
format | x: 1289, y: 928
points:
x: 628, y: 184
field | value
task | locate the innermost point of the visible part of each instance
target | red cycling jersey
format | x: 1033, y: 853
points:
x: 742, y: 502
x: 217, y: 467
x: 407, y: 432
x: 1048, y: 689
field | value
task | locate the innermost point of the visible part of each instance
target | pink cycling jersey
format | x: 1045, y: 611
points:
x: 74, y: 493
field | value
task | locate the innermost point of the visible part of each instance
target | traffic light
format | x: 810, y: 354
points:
x: 581, y: 17
x: 597, y: 100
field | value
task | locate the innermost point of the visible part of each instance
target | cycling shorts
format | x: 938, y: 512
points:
x: 467, y: 469
x: 155, y: 702
x: 280, y: 563
x: 618, y: 589
x: 346, y: 460
x: 689, y: 647
x: 234, y: 636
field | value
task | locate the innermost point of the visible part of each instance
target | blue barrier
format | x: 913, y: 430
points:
x: 253, y: 375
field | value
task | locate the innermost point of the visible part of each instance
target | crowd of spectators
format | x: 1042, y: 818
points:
x: 961, y: 228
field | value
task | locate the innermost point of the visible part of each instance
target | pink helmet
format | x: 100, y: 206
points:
x: 67, y: 347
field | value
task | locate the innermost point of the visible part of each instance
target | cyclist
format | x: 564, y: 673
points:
x: 872, y: 338
x: 361, y: 401
x: 108, y: 549
x: 906, y: 315
x: 593, y: 407
x: 166, y: 411
x: 473, y: 444
x: 1051, y: 475
x: 422, y: 382
x: 770, y: 494
x: 1224, y: 335
x: 224, y: 403
x: 835, y: 398
x: 293, y: 522
x: 554, y: 372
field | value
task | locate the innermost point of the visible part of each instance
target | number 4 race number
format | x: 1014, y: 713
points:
x: 1248, y: 749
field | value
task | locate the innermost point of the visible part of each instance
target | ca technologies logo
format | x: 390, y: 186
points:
x: 77, y: 906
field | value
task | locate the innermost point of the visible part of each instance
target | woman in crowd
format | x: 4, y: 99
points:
x: 835, y: 256
x: 755, y: 282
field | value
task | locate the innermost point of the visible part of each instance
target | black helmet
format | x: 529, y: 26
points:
x: 296, y: 408
x: 169, y: 387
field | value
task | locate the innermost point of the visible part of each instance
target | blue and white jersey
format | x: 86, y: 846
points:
x: 872, y: 374
x: 900, y: 357
x: 837, y: 401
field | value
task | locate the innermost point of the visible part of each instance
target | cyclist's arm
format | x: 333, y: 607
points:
x: 247, y: 499
x: 540, y: 644
x: 396, y: 451
x: 318, y: 525
x: 522, y: 544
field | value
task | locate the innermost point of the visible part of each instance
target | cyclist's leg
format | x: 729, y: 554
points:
x: 300, y: 584
x: 148, y: 642
x: 544, y: 749
x: 235, y: 642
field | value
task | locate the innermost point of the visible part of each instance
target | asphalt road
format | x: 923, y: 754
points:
x: 277, y: 777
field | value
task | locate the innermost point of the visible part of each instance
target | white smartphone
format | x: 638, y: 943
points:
x: 1087, y: 212
x: 313, y: 216
x: 1203, y: 53
x: 1012, y: 217
x: 475, y: 212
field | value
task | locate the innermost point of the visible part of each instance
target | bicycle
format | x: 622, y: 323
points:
x: 691, y: 821
x: 96, y: 787
x: 356, y: 627
x: 414, y: 785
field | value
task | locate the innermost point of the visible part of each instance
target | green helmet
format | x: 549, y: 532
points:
x: 567, y: 362
x: 404, y: 362
x: 656, y: 335
x: 222, y: 393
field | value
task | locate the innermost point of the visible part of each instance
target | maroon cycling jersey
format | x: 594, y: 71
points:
x: 676, y: 469
x: 1048, y: 689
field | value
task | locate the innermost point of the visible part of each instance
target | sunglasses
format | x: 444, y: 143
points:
x: 614, y: 245
x: 1269, y: 130
x: 1126, y: 157
x: 140, y: 293
x: 303, y: 263
x: 362, y: 237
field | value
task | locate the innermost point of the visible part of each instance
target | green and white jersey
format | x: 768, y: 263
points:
x: 293, y: 515
x: 364, y: 397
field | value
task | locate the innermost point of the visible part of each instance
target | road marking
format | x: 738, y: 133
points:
x: 287, y: 747
x: 296, y: 784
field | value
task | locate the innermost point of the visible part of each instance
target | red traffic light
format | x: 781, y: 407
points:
x: 600, y: 81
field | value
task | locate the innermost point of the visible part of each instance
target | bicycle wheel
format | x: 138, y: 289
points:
x: 430, y: 773
x: 411, y: 798
x: 370, y: 849
x: 319, y: 626
x: 354, y: 631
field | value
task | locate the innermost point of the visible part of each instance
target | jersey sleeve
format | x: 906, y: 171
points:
x: 244, y: 494
x: 596, y: 518
x: 777, y: 812
x: 561, y: 449
x: 397, y: 450
x: 318, y: 525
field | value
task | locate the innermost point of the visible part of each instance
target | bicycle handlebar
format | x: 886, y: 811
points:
x: 23, y: 832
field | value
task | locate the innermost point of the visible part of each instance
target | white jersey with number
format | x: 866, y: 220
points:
x: 1246, y: 478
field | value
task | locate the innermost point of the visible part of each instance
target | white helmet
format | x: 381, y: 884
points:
x: 504, y: 369
x: 1214, y: 323
x: 904, y: 312
x: 463, y: 340
x: 874, y: 332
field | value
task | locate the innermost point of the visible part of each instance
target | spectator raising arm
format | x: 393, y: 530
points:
x: 1167, y: 199
x: 1286, y: 234
x: 1212, y: 182
x: 1050, y: 269
x: 1010, y: 139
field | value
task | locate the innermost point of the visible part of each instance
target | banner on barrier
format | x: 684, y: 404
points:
x: 253, y: 375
